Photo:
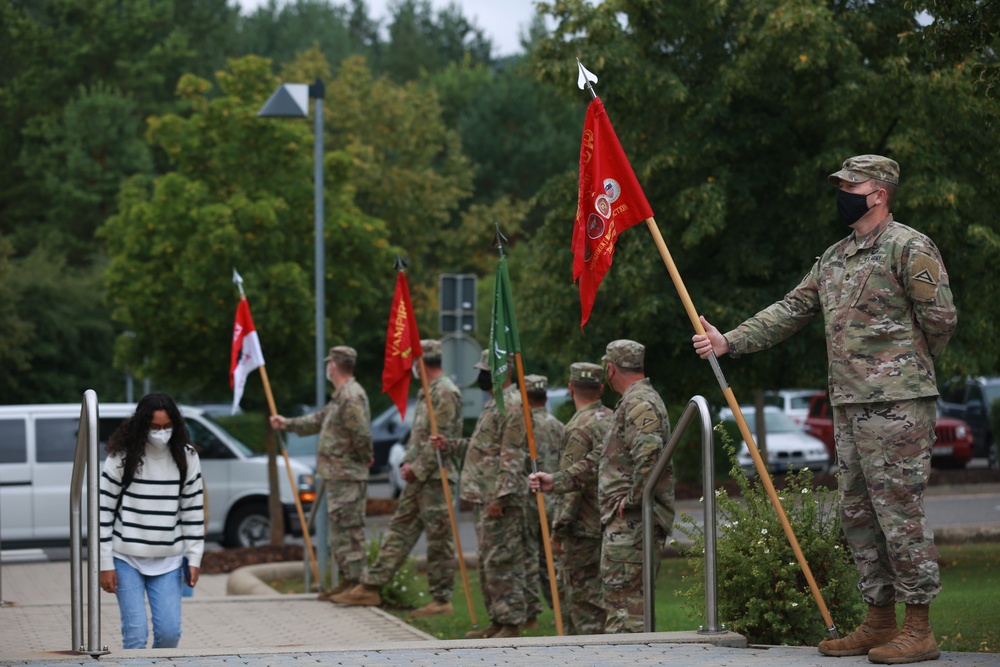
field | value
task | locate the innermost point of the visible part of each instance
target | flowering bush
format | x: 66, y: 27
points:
x: 763, y: 593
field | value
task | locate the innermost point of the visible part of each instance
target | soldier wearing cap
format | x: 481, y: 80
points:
x: 639, y: 430
x: 343, y: 457
x: 576, y: 519
x: 493, y: 482
x: 548, y: 432
x: 422, y: 506
x: 888, y: 311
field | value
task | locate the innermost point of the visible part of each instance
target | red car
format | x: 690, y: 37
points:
x: 953, y: 448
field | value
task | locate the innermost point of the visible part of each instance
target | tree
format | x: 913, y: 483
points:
x: 420, y: 41
x: 279, y: 33
x: 239, y: 195
x: 733, y: 115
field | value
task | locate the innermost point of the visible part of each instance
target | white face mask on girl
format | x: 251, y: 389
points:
x: 160, y: 439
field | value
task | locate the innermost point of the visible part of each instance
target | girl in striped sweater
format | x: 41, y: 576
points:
x: 152, y: 517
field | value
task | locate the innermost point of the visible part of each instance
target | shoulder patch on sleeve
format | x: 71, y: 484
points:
x: 925, y: 274
x: 644, y: 417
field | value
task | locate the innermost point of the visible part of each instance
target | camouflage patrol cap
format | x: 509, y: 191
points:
x: 583, y: 372
x: 484, y: 361
x: 535, y: 383
x: 862, y: 168
x: 432, y: 349
x: 342, y: 353
x: 625, y: 353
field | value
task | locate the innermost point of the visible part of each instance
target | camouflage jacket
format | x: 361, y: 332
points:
x: 344, y: 451
x: 548, y: 433
x: 639, y: 429
x: 495, y: 454
x: 576, y: 511
x: 888, y: 311
x: 447, y: 402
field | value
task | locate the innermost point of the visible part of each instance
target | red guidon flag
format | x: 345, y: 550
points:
x: 610, y: 202
x: 246, y: 354
x: 402, y: 346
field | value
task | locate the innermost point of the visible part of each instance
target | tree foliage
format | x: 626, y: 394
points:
x: 733, y: 114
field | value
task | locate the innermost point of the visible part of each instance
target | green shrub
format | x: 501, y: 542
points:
x: 763, y: 593
x: 402, y: 591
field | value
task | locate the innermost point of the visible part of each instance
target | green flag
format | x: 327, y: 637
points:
x: 504, y: 341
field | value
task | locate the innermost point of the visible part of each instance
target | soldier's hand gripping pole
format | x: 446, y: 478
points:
x: 447, y: 494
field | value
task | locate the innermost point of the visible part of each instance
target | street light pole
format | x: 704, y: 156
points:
x: 291, y: 100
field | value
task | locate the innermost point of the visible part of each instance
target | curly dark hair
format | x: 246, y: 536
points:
x: 129, y: 439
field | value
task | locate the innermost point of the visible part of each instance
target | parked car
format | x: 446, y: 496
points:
x: 387, y: 430
x: 37, y: 446
x: 971, y: 400
x: 953, y: 448
x: 793, y: 402
x: 788, y: 446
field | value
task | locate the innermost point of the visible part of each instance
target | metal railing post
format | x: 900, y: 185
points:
x: 319, y: 509
x: 86, y: 462
x: 650, y: 549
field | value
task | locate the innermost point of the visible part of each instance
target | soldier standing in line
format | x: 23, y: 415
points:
x: 493, y: 481
x: 422, y: 505
x: 548, y: 437
x: 576, y: 519
x: 640, y: 428
x: 343, y: 457
x: 888, y: 311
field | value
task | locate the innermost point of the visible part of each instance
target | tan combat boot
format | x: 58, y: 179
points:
x: 507, y: 631
x: 361, y: 595
x: 344, y: 585
x: 914, y: 644
x: 434, y: 608
x: 484, y: 633
x: 878, y: 628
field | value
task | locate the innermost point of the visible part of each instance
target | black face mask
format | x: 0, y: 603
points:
x: 484, y: 381
x: 851, y: 207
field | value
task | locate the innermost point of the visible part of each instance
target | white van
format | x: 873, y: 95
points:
x: 37, y: 447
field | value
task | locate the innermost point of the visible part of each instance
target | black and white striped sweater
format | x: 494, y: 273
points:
x: 156, y: 517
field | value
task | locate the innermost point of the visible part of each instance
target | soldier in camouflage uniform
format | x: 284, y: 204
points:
x: 343, y: 457
x: 888, y: 311
x: 576, y: 520
x: 422, y: 505
x: 548, y: 433
x: 640, y: 428
x: 494, y: 482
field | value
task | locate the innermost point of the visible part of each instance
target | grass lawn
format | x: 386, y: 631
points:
x: 965, y: 616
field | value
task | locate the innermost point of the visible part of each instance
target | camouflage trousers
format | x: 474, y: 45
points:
x: 346, y: 502
x: 536, y: 570
x: 884, y: 457
x: 621, y: 571
x: 580, y: 586
x: 421, y: 508
x: 502, y: 564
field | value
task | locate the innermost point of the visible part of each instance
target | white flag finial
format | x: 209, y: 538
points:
x: 585, y: 75
x: 238, y: 279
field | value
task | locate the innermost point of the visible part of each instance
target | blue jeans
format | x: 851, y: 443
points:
x: 164, y: 593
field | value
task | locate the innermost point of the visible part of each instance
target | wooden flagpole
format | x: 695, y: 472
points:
x: 584, y: 81
x: 447, y: 494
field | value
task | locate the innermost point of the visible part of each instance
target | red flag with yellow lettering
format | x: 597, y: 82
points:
x: 402, y: 346
x: 610, y: 202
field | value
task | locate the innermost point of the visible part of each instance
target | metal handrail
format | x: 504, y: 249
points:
x: 651, y: 550
x: 86, y: 462
x: 319, y: 508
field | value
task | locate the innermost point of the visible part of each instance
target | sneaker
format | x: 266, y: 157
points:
x: 359, y: 596
x: 434, y: 608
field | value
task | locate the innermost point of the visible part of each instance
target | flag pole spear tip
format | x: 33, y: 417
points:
x: 499, y: 239
x: 400, y: 264
x: 585, y: 78
x: 238, y: 279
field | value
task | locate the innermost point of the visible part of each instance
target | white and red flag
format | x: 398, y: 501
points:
x: 246, y: 354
